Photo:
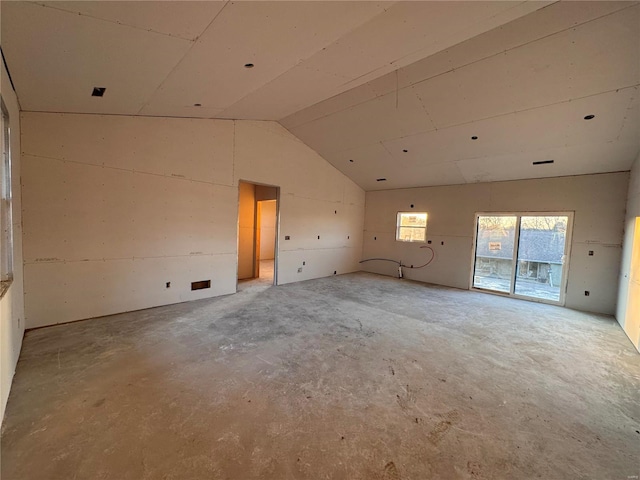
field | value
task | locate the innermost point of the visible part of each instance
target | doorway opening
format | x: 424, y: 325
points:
x: 523, y: 255
x: 257, y: 234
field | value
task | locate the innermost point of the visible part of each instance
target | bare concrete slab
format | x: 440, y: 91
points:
x: 349, y: 377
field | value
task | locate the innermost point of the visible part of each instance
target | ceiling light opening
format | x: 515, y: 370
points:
x: 381, y: 179
x: 589, y: 117
x: 249, y: 65
x: 474, y: 137
x: 405, y: 150
x: 197, y: 104
x: 351, y: 160
x: 98, y: 91
x: 543, y: 162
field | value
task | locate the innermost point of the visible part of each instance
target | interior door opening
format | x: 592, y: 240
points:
x: 257, y: 233
x: 523, y: 254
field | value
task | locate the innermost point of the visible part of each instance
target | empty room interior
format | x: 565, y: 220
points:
x: 320, y: 240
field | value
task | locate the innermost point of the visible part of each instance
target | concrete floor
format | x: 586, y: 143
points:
x: 350, y: 377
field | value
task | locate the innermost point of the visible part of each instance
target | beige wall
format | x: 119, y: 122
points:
x: 597, y: 200
x: 12, y: 322
x: 116, y: 206
x: 246, y: 230
x: 267, y: 229
x: 628, y: 311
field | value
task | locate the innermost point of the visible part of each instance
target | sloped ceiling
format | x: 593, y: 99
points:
x: 360, y: 82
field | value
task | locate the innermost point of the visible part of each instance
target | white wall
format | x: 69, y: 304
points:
x: 12, y: 322
x: 597, y: 200
x: 628, y: 311
x: 268, y: 214
x: 116, y: 206
x: 246, y: 230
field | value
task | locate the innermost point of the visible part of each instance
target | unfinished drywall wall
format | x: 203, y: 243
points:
x: 597, y: 200
x: 628, y: 309
x: 246, y: 230
x: 267, y: 229
x: 115, y: 207
x: 12, y: 322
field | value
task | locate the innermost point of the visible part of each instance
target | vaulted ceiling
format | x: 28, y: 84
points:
x: 391, y: 90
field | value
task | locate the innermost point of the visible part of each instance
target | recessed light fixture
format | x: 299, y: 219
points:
x: 381, y: 179
x: 543, y: 162
x: 98, y: 91
x: 197, y: 104
x: 405, y: 150
x: 589, y: 117
x: 351, y: 160
x: 474, y: 137
x: 249, y: 65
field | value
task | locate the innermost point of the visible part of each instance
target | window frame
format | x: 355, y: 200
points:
x: 399, y: 226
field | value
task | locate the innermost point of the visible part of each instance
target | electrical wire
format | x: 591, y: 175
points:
x: 381, y: 259
x: 433, y: 256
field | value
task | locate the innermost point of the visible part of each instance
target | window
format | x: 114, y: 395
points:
x: 6, y: 227
x: 523, y: 254
x: 411, y: 227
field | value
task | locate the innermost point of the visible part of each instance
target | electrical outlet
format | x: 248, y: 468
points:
x: 287, y: 237
x: 304, y: 263
x: 586, y: 293
x: 168, y: 285
x: 591, y: 253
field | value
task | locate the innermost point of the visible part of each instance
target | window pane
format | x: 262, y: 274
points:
x: 413, y: 220
x: 411, y: 234
x: 540, y: 256
x: 411, y: 227
x: 6, y: 250
x: 494, y: 252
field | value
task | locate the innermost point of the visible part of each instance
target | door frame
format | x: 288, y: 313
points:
x: 516, y: 244
x: 256, y: 231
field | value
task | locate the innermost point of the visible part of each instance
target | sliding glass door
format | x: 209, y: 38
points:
x: 495, y: 250
x: 523, y: 254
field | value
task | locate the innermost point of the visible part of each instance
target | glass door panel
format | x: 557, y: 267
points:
x: 495, y: 247
x: 541, y: 254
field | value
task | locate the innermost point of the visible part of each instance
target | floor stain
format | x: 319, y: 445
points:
x: 474, y: 469
x: 441, y: 428
x: 407, y: 398
x: 390, y: 472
